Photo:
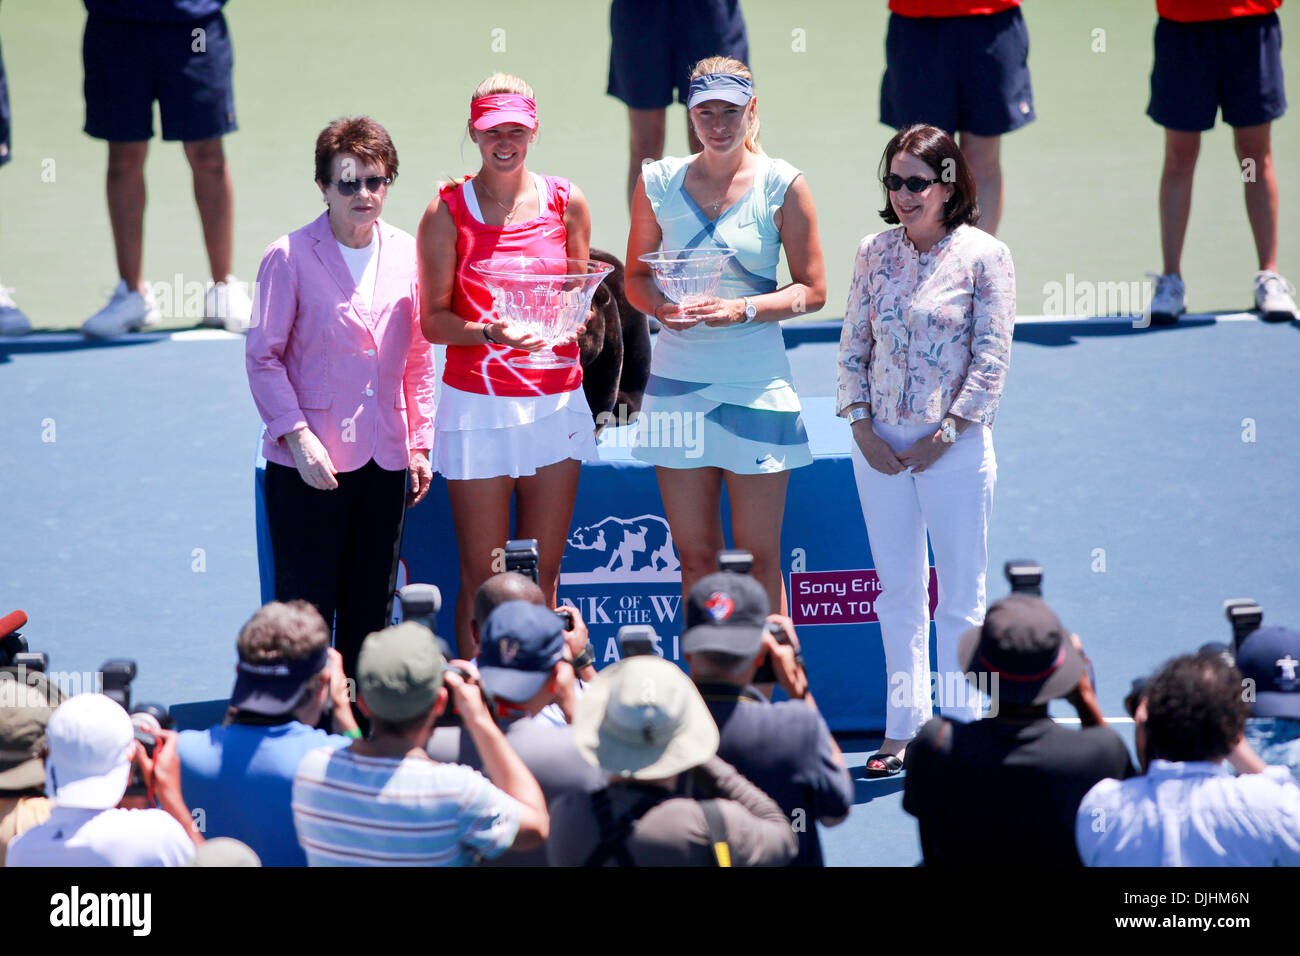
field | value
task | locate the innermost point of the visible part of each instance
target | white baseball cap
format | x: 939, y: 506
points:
x: 89, y: 763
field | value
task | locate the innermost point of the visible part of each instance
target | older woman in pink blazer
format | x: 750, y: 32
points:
x: 344, y: 380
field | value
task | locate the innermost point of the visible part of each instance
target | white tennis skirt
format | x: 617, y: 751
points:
x: 493, y: 436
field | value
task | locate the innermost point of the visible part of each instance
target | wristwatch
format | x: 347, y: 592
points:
x: 750, y: 309
x: 948, y: 430
x: 487, y: 335
x: 859, y: 414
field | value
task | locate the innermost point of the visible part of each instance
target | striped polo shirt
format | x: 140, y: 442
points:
x: 351, y: 810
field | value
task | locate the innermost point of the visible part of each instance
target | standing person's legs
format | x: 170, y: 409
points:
x: 308, y: 530
x: 1184, y: 100
x: 124, y: 185
x: 1181, y: 150
x: 215, y: 198
x: 194, y: 63
x: 641, y: 76
x: 646, y: 130
x: 693, y: 505
x: 956, y: 496
x: 1253, y: 94
x: 757, y: 511
x: 368, y: 569
x: 119, y: 92
x: 983, y: 155
x: 480, y: 511
x: 1253, y: 144
x: 896, y: 533
x: 996, y: 98
x: 544, y: 510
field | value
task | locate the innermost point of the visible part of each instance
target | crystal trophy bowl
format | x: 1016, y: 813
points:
x: 547, y: 297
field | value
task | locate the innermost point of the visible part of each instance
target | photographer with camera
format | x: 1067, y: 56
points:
x: 670, y: 800
x: 91, y: 746
x: 1019, y: 774
x: 785, y: 748
x: 1268, y: 658
x: 1187, y: 809
x: 526, y: 665
x: 384, y: 801
x: 27, y: 699
x: 241, y: 772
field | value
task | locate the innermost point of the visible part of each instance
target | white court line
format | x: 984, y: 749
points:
x: 69, y: 338
x: 1129, y: 319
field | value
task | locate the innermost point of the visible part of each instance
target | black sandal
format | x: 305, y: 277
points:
x: 892, y: 766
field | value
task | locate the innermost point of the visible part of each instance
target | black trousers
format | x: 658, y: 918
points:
x: 338, y: 549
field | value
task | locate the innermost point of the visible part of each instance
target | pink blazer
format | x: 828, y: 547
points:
x: 361, y: 379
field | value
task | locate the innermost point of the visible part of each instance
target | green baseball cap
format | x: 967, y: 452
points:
x: 26, y: 702
x: 399, y: 671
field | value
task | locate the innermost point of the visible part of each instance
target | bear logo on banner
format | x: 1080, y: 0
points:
x: 616, y: 546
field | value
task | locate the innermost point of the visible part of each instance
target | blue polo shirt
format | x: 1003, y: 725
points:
x: 786, y: 751
x: 241, y: 777
x: 155, y: 11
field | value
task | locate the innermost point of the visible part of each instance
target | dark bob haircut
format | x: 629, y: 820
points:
x: 939, y: 151
x: 1196, y: 709
x: 360, y: 136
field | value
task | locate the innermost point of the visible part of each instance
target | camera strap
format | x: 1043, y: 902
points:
x: 713, y: 819
x: 614, y: 832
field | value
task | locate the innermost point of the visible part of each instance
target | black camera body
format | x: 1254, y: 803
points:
x: 1245, y: 617
x: 1024, y: 576
x: 522, y: 557
x: 637, y: 640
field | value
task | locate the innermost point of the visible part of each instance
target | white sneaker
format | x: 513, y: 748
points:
x: 227, y: 305
x: 1169, y: 301
x: 1274, y: 297
x: 12, y: 321
x: 127, y: 311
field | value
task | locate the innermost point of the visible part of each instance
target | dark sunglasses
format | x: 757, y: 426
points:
x: 916, y: 184
x: 349, y: 187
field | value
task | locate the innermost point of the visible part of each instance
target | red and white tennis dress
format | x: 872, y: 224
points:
x: 494, y: 418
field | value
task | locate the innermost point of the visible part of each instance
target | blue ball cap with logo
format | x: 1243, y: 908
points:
x: 519, y: 643
x: 1270, y: 657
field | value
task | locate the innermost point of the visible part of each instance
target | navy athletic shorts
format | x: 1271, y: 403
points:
x: 966, y: 74
x: 656, y: 42
x: 129, y: 64
x: 1235, y: 64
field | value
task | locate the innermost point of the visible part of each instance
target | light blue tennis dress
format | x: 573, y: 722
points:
x: 722, y: 397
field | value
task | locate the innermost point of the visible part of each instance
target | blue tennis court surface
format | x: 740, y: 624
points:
x: 1152, y: 472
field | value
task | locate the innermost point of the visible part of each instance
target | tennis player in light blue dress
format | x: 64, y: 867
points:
x: 719, y: 408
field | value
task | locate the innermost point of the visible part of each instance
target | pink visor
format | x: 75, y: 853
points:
x: 498, y: 108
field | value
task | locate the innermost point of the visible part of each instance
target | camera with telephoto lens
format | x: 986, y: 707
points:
x: 636, y: 640
x: 420, y: 604
x: 740, y: 561
x: 1024, y: 576
x: 522, y: 557
x: 147, y: 720
x: 1245, y: 616
x: 14, y: 652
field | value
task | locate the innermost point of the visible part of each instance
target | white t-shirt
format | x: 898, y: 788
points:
x: 363, y: 264
x: 76, y: 837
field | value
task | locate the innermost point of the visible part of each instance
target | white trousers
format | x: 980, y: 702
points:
x: 952, y: 499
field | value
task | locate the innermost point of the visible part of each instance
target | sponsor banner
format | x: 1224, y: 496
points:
x: 841, y: 597
x: 619, y: 571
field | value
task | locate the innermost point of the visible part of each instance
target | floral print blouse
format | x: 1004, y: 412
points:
x: 928, y: 334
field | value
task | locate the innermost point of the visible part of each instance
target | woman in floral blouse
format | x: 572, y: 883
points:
x: 922, y: 362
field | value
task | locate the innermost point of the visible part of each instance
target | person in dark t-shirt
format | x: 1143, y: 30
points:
x: 1012, y: 783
